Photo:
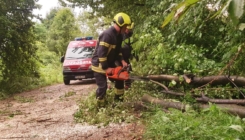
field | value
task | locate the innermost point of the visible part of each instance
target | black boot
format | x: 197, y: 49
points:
x: 118, y: 98
x: 101, y: 103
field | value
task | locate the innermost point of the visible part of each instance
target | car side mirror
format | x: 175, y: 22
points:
x: 62, y: 59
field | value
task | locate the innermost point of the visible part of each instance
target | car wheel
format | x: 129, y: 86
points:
x: 66, y: 81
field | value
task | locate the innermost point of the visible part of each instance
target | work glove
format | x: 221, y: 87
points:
x: 124, y: 64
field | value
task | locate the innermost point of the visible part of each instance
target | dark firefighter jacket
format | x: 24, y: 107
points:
x: 127, y: 52
x: 107, y: 51
x: 127, y: 48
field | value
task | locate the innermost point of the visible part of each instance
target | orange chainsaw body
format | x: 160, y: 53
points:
x: 119, y: 73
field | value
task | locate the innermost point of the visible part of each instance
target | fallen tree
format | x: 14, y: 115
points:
x: 199, y: 81
x: 229, y: 108
x: 205, y: 99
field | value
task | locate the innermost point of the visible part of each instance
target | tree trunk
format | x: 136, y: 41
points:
x: 222, y: 101
x: 199, y: 81
x: 232, y: 109
x: 205, y: 99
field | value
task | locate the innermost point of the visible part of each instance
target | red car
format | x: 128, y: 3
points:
x: 77, y: 60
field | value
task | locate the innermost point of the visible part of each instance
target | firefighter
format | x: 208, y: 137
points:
x: 127, y: 50
x: 107, y: 52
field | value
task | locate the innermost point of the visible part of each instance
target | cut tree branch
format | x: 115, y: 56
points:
x: 232, y: 109
x: 222, y: 101
x: 199, y: 81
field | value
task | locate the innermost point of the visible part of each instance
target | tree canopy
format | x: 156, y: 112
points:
x: 170, y: 37
x: 17, y: 50
x: 181, y: 36
x: 62, y: 30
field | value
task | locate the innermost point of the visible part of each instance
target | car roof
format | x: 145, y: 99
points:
x: 82, y: 43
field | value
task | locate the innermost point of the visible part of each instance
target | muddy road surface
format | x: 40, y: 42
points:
x: 47, y: 114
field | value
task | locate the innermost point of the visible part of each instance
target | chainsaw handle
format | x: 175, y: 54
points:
x: 122, y: 69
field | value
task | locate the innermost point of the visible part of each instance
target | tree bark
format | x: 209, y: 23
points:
x: 232, y: 109
x: 205, y: 99
x: 199, y: 81
x: 222, y: 101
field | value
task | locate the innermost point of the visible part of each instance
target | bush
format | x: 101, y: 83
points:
x: 207, y: 124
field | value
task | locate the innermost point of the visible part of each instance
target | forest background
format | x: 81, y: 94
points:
x: 171, y: 37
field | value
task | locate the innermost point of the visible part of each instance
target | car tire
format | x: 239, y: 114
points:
x: 66, y: 81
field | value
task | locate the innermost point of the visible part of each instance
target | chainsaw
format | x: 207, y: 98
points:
x: 122, y: 73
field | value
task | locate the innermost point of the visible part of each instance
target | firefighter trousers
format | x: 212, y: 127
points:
x: 101, y: 81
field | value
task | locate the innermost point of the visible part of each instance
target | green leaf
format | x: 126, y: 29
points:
x: 237, y: 128
x: 236, y: 9
x: 168, y: 19
x: 182, y: 8
x: 241, y: 26
x: 179, y: 11
x: 222, y: 10
x: 173, y: 82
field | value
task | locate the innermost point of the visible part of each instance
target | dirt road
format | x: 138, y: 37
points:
x: 47, y: 113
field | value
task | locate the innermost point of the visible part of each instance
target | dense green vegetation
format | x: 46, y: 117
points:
x: 208, y: 124
x: 17, y: 45
x: 30, y: 51
x: 172, y: 37
x: 177, y: 37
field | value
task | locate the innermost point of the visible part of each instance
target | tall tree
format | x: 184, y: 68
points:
x: 91, y: 25
x: 48, y: 20
x: 40, y: 32
x: 62, y: 31
x: 195, y: 41
x: 17, y: 50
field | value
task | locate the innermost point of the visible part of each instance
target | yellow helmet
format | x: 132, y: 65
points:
x: 122, y: 19
x: 130, y: 27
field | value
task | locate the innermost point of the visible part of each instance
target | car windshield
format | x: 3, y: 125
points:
x: 79, y: 52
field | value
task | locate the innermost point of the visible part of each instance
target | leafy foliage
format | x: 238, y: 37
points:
x: 49, y: 66
x: 17, y: 55
x: 62, y: 30
x: 114, y: 112
x: 199, y: 37
x: 40, y: 31
x: 195, y: 44
x: 48, y: 20
x: 90, y: 24
x: 208, y: 124
x: 178, y: 11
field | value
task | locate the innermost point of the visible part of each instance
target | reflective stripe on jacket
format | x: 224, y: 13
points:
x: 107, y: 51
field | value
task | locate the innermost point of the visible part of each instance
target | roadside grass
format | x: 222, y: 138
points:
x: 10, y: 114
x: 113, y: 112
x: 67, y: 94
x: 3, y: 95
x: 49, y: 74
x: 70, y: 93
x: 206, y: 124
x: 22, y: 99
